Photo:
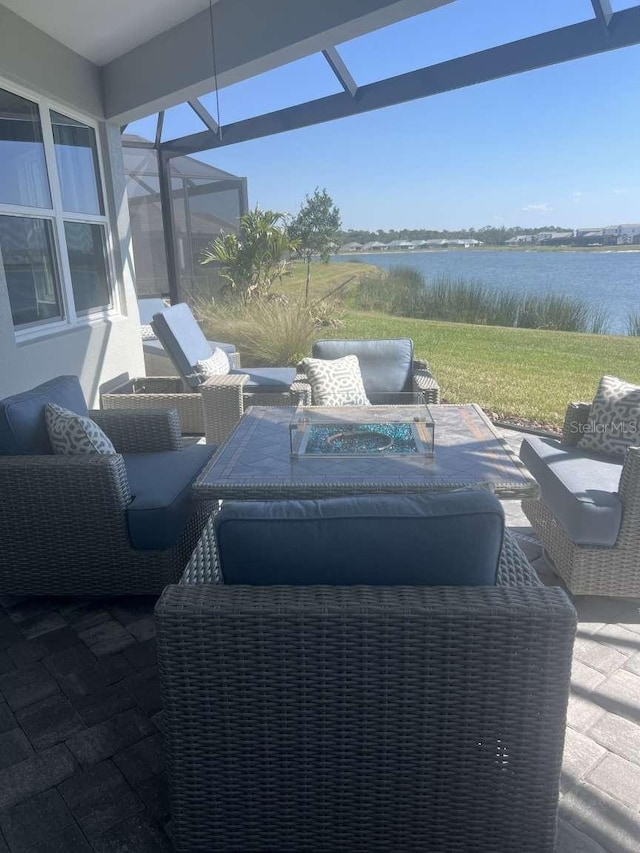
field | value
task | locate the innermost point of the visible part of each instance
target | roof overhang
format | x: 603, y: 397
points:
x: 606, y: 31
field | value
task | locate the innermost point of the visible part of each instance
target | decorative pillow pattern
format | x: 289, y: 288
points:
x: 336, y: 382
x: 216, y: 365
x: 614, y: 419
x: 70, y: 434
x: 147, y: 332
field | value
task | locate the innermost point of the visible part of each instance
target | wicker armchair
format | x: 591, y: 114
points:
x: 595, y: 569
x: 387, y: 366
x: 367, y: 719
x: 64, y: 527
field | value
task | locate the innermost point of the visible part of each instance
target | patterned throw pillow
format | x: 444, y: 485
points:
x: 70, y: 434
x: 335, y: 382
x: 216, y: 365
x: 614, y: 419
x: 147, y: 333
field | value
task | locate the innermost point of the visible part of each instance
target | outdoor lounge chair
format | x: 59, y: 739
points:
x: 588, y: 513
x: 387, y: 366
x: 156, y: 360
x: 94, y: 524
x: 362, y: 718
x: 223, y: 398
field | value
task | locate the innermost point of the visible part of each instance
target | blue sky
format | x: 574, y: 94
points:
x: 554, y: 146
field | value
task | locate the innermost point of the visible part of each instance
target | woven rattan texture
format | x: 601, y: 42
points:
x: 224, y: 401
x: 365, y: 719
x: 63, y: 526
x: 188, y: 404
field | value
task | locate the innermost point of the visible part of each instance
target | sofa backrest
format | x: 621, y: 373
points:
x: 183, y: 340
x: 386, y: 365
x: 23, y: 429
x: 447, y: 539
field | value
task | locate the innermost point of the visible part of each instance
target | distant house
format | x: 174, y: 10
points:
x: 350, y: 247
x: 465, y: 242
x: 623, y: 235
x: 374, y: 246
x: 400, y: 244
x: 592, y: 237
x: 520, y: 238
x: 554, y: 238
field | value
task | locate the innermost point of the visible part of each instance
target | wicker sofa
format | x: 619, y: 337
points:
x: 588, y: 514
x: 364, y: 718
x: 95, y: 524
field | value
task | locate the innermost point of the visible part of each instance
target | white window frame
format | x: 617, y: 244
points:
x: 58, y: 216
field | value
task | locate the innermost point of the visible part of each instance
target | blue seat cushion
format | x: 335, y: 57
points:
x: 155, y: 347
x: 267, y: 379
x: 386, y: 365
x: 23, y: 429
x: 160, y: 486
x: 183, y: 340
x: 579, y: 488
x: 449, y: 539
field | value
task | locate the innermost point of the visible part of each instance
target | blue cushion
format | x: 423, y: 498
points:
x: 155, y: 347
x: 183, y: 340
x: 579, y: 488
x: 160, y: 486
x: 386, y: 366
x: 267, y: 378
x: 451, y: 539
x: 23, y: 429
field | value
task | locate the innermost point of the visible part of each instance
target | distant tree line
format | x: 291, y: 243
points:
x: 488, y: 234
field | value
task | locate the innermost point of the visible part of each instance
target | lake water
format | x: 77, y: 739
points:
x: 604, y: 278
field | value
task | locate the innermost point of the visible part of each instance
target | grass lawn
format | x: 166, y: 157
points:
x: 512, y: 373
x: 324, y: 278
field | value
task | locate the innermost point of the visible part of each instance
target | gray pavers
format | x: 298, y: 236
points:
x: 81, y: 750
x: 35, y: 820
x: 99, y: 799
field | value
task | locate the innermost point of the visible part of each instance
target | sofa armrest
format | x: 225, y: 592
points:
x: 56, y: 505
x: 575, y: 419
x: 140, y: 430
x: 423, y: 381
x: 222, y: 405
x: 629, y: 493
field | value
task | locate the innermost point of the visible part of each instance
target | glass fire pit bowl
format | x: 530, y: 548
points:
x: 395, y: 425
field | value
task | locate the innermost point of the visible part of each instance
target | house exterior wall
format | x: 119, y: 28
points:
x: 101, y: 347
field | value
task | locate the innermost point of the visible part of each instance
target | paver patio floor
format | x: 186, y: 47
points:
x: 81, y: 756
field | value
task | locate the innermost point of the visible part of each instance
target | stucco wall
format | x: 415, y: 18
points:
x: 105, y: 347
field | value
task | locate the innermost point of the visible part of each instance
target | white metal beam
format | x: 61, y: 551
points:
x: 603, y: 11
x: 341, y: 71
x: 204, y: 115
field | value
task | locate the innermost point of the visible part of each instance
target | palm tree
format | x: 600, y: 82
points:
x: 254, y: 257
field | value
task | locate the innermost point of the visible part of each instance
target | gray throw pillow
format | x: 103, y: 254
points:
x: 614, y: 419
x: 216, y: 365
x: 71, y: 434
x: 335, y: 382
